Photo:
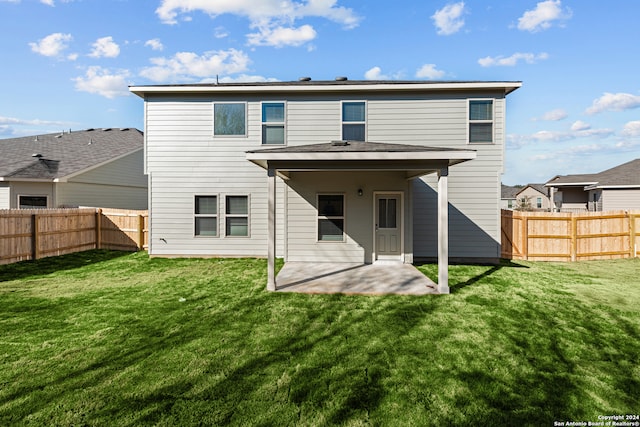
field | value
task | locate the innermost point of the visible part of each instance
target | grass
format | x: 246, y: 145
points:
x: 106, y: 338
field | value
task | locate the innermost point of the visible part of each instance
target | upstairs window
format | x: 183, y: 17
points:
x: 230, y: 119
x: 273, y: 123
x: 480, y: 121
x: 353, y: 121
x: 330, y: 217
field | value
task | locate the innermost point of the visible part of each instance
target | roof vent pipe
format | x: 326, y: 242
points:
x: 341, y: 79
x: 304, y: 79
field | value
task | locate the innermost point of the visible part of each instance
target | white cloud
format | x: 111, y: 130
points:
x: 30, y: 122
x: 430, y: 72
x: 280, y: 36
x: 262, y: 13
x: 220, y: 33
x: 529, y: 58
x: 579, y: 125
x: 553, y: 115
x: 243, y: 78
x: 154, y: 44
x: 189, y: 66
x: 375, y: 73
x: 52, y: 45
x: 47, y: 2
x: 543, y: 16
x: 103, y: 82
x: 614, y: 102
x: 448, y: 20
x: 105, y: 47
x: 631, y: 129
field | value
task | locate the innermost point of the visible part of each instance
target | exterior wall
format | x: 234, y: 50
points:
x: 620, y: 199
x: 532, y: 195
x: 118, y: 184
x: 20, y: 188
x: 359, y: 214
x: 183, y: 159
x: 5, y: 196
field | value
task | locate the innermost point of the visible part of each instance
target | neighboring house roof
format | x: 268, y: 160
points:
x: 625, y: 175
x: 509, y: 192
x: 540, y: 188
x: 59, y: 155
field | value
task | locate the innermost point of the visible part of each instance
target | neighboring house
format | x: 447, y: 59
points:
x: 93, y: 167
x: 508, y: 196
x: 617, y: 188
x: 533, y: 197
x: 326, y: 171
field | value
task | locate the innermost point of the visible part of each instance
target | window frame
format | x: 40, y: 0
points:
x: 228, y: 215
x: 343, y: 122
x: 471, y: 122
x: 246, y: 112
x: 207, y: 215
x: 326, y: 217
x: 264, y: 124
x: 46, y: 198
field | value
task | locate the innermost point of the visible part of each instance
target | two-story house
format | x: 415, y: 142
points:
x: 326, y: 171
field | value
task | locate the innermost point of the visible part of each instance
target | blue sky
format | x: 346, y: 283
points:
x: 66, y: 64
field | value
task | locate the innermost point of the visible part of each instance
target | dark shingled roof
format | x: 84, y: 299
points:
x: 355, y: 147
x: 627, y: 174
x: 58, y: 155
x: 509, y: 192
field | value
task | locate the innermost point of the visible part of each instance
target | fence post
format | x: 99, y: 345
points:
x: 632, y: 235
x: 35, y: 253
x: 525, y: 237
x: 99, y: 228
x: 574, y: 237
x: 140, y: 232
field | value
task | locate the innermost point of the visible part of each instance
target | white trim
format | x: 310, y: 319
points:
x: 344, y: 216
x: 283, y: 123
x: 611, y: 187
x: 492, y: 121
x: 374, y: 254
x: 508, y: 87
x: 366, y: 116
x: 228, y: 215
x: 217, y: 216
x: 213, y: 119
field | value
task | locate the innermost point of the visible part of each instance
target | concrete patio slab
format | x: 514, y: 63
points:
x: 348, y: 278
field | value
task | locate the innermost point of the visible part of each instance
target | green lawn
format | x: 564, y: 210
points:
x: 107, y: 338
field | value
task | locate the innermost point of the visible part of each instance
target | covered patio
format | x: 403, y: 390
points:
x: 411, y: 160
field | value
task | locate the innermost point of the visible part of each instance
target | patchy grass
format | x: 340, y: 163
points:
x: 106, y: 338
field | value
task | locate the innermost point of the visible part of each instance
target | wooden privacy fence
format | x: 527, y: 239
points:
x: 546, y: 236
x: 36, y: 233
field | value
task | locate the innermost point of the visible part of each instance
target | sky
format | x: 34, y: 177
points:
x: 67, y: 64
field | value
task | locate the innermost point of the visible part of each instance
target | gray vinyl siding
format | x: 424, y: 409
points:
x: 614, y: 199
x: 22, y: 188
x: 184, y: 159
x: 126, y: 171
x: 5, y: 196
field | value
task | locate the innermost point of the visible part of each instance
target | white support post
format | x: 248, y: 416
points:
x: 443, y: 232
x: 271, y: 248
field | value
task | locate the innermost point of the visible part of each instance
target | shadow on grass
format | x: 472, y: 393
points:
x: 494, y: 269
x: 43, y: 266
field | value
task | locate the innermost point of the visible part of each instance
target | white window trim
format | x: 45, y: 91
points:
x: 247, y: 215
x: 217, y: 216
x: 32, y: 195
x: 344, y: 217
x: 492, y: 121
x: 213, y: 119
x: 284, y: 123
x: 366, y: 116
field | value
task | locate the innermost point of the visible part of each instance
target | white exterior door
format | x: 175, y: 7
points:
x: 388, y: 226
